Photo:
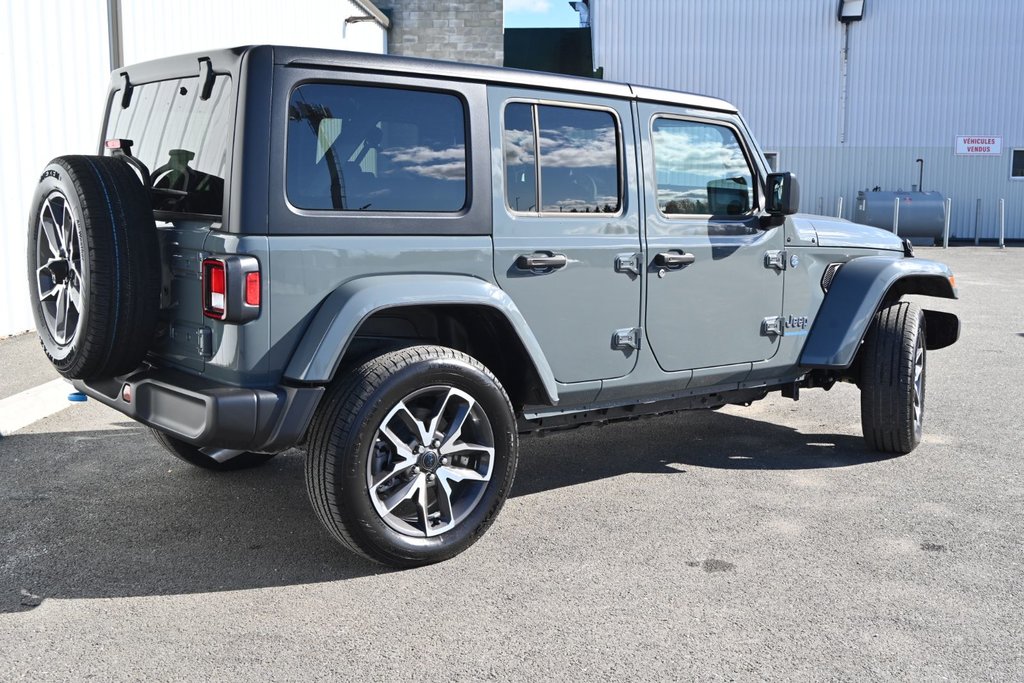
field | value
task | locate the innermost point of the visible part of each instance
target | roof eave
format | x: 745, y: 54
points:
x: 372, y: 10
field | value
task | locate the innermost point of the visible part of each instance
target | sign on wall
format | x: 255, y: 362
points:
x: 975, y: 145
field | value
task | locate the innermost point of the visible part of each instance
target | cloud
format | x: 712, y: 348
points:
x: 537, y: 6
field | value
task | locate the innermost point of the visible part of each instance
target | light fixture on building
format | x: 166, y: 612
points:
x: 850, y: 10
x: 583, y: 8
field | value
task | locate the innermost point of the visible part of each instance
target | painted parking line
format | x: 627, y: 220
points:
x: 32, y: 405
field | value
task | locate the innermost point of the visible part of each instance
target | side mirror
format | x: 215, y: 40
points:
x: 783, y: 194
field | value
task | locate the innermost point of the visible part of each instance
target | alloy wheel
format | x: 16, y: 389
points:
x: 919, y: 382
x: 59, y: 268
x: 431, y: 461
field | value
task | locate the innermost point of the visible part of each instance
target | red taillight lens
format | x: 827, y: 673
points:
x: 232, y: 288
x: 214, y: 289
x: 252, y: 289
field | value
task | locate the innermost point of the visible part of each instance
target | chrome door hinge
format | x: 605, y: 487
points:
x: 628, y: 263
x: 627, y: 338
x: 775, y: 259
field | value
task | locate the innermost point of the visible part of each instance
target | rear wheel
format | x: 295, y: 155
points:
x: 893, y: 379
x: 411, y: 455
x: 193, y: 456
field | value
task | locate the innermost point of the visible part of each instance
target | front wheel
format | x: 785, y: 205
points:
x: 411, y: 455
x: 893, y: 379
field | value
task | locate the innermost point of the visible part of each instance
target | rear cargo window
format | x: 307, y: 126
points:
x: 365, y: 148
x: 184, y: 140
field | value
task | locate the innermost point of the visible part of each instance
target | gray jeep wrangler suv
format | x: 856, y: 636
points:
x: 401, y: 265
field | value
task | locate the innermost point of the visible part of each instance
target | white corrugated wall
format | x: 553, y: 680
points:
x: 158, y: 29
x: 54, y: 70
x: 920, y: 72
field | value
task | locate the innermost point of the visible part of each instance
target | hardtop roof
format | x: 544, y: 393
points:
x: 229, y: 58
x: 340, y: 59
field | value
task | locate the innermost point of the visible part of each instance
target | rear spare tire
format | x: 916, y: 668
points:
x: 94, y: 266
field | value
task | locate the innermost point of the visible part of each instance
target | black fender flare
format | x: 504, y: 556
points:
x: 859, y: 290
x: 319, y: 354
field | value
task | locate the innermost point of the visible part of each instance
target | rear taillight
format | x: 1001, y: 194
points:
x: 215, y: 288
x: 252, y: 289
x: 232, y: 288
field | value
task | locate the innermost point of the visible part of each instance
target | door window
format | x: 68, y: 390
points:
x: 578, y: 165
x: 701, y: 169
x: 520, y: 158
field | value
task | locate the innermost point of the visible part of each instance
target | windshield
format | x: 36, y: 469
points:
x: 183, y: 140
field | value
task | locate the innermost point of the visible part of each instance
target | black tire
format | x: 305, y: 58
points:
x: 893, y: 379
x: 193, y: 456
x: 346, y: 451
x: 105, y: 254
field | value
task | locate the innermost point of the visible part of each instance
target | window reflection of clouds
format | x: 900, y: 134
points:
x: 679, y: 150
x: 440, y: 164
x: 578, y: 160
x: 688, y: 157
x: 569, y: 147
x: 518, y: 147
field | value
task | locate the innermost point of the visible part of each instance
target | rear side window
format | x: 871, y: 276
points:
x: 184, y: 140
x: 701, y: 169
x: 575, y: 155
x: 365, y: 148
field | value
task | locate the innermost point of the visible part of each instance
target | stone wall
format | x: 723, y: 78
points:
x: 466, y: 31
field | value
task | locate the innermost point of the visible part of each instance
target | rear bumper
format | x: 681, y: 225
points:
x: 210, y: 414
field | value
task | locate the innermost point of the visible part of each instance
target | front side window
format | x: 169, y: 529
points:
x: 1017, y: 164
x: 701, y: 169
x: 183, y: 139
x: 365, y: 148
x: 575, y: 155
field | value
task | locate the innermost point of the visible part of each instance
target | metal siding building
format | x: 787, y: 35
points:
x: 55, y: 67
x: 919, y: 73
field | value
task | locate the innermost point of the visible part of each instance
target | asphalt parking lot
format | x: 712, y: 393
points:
x: 749, y: 543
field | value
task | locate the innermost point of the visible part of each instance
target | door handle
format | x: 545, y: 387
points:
x: 541, y: 260
x: 673, y: 259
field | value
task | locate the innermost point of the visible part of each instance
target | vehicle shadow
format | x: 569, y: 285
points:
x: 664, y: 445
x: 110, y: 514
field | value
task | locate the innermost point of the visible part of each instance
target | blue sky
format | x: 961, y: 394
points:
x: 540, y: 14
